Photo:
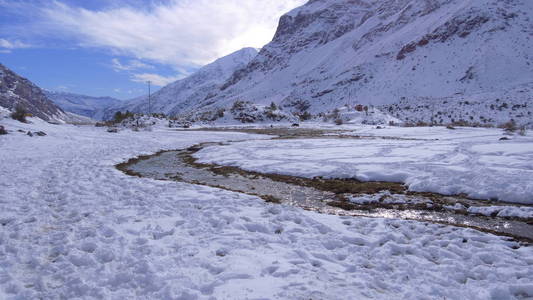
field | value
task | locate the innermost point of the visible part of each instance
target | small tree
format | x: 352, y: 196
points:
x: 305, y: 116
x: 20, y: 113
x: 273, y: 106
x: 118, y: 117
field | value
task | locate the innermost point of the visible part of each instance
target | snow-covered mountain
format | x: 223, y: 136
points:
x: 333, y: 52
x: 192, y: 91
x: 16, y: 90
x: 92, y: 107
x: 328, y: 54
x: 490, y: 108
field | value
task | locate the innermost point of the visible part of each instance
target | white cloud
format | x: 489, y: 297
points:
x: 10, y: 45
x: 129, y: 66
x: 155, y: 79
x: 135, y: 65
x: 179, y: 32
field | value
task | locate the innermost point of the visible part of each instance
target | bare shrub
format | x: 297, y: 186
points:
x: 461, y: 123
x: 20, y: 113
x: 509, y: 126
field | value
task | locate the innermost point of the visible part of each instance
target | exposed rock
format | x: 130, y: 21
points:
x: 16, y: 90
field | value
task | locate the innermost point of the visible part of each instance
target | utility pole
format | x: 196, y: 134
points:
x: 149, y: 99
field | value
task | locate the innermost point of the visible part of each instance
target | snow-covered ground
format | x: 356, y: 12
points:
x: 472, y: 161
x: 503, y: 211
x: 72, y: 226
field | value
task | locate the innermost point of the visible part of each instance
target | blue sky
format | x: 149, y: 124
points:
x: 112, y: 47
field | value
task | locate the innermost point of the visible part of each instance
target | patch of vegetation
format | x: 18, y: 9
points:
x: 271, y: 199
x: 345, y: 205
x: 104, y: 124
x: 304, y: 116
x: 245, y: 112
x: 20, y: 113
x: 2, y: 130
x: 119, y: 116
x: 211, y: 116
x: 158, y: 115
x: 509, y: 126
x: 299, y: 105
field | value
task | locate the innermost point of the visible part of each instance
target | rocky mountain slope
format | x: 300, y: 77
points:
x: 92, y: 107
x: 191, y: 91
x: 485, y: 109
x: 16, y: 90
x: 332, y: 53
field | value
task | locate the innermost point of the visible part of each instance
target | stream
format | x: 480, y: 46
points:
x: 325, y: 195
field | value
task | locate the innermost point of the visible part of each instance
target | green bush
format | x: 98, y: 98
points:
x: 119, y: 116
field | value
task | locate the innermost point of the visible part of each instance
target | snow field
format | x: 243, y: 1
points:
x: 72, y: 226
x: 466, y: 160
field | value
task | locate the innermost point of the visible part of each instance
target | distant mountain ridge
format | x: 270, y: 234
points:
x: 92, y: 107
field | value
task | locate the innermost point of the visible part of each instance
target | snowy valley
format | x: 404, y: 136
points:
x: 374, y: 149
x: 90, y: 107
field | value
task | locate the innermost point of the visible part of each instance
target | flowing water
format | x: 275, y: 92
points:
x: 179, y: 165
